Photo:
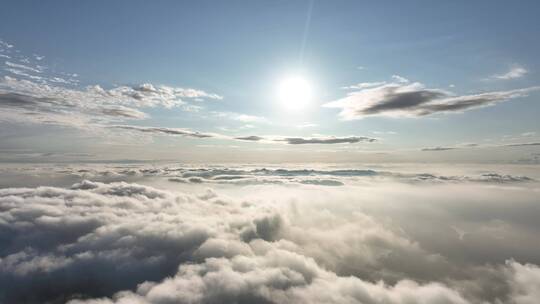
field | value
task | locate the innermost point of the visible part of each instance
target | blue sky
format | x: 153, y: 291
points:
x: 238, y: 52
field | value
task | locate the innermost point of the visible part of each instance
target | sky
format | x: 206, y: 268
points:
x: 269, y: 81
x: 291, y: 151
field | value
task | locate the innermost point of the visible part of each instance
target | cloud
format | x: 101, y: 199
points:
x: 250, y: 138
x: 513, y: 73
x: 24, y: 67
x: 253, y: 138
x: 306, y: 125
x: 166, y: 131
x: 525, y: 280
x: 121, y: 242
x: 28, y: 101
x: 523, y: 144
x: 400, y: 79
x: 279, y: 176
x: 414, y: 99
x: 120, y: 111
x: 326, y: 140
x: 241, y: 117
x: 364, y: 85
x: 24, y: 108
x: 438, y: 149
x: 148, y: 95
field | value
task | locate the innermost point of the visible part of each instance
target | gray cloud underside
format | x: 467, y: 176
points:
x: 130, y: 243
x: 438, y: 149
x: 400, y: 99
x: 250, y: 138
x: 523, y: 144
x: 166, y: 131
x: 332, y: 140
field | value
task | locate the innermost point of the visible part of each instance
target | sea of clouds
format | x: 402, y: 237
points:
x: 122, y: 233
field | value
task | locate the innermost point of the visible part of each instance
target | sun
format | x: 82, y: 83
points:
x: 294, y: 93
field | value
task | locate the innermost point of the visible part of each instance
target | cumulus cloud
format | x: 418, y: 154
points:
x: 144, y: 95
x: 124, y: 242
x: 40, y: 95
x: 21, y: 107
x: 148, y: 95
x: 414, y: 99
x: 29, y: 101
x: 513, y: 73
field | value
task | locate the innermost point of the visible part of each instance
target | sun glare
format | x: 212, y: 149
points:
x: 294, y: 93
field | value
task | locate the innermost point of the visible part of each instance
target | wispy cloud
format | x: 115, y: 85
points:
x: 246, y: 118
x: 364, y: 85
x: 400, y: 79
x: 514, y: 72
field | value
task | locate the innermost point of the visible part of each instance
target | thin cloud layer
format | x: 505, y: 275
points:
x: 253, y: 138
x: 403, y: 99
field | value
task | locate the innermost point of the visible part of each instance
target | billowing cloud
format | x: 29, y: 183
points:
x: 414, y: 99
x: 364, y: 242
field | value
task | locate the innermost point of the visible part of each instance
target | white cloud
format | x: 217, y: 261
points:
x: 361, y: 242
x: 24, y: 67
x: 364, y: 85
x: 400, y: 79
x: 514, y: 72
x: 241, y: 117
